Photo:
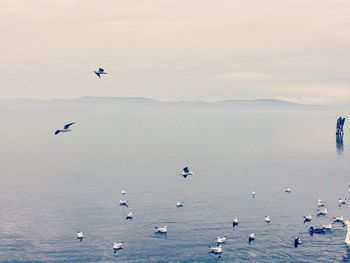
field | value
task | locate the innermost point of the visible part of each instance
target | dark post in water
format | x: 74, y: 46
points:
x: 340, y: 125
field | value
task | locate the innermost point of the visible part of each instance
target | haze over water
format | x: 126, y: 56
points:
x: 51, y: 186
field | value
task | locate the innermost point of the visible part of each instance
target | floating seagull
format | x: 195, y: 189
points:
x: 314, y: 230
x: 307, y: 218
x: 322, y: 212
x: 100, y: 72
x: 80, y: 235
x: 341, y: 201
x: 65, y: 128
x: 215, y: 249
x: 186, y: 172
x: 117, y: 246
x: 338, y: 219
x: 267, y: 219
x: 161, y: 229
x: 297, y: 242
x: 123, y: 192
x: 123, y: 203
x: 130, y: 216
x: 253, y: 194
x: 287, y: 190
x: 179, y: 204
x: 221, y: 239
x: 321, y: 203
x: 235, y: 222
x: 251, y: 238
x: 347, y: 238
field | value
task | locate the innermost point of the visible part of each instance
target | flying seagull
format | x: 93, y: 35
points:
x: 65, y: 128
x: 100, y: 72
x: 186, y: 172
x: 123, y: 203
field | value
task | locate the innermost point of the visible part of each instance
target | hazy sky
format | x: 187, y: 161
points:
x: 297, y: 50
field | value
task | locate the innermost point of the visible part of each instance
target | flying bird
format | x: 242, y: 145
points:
x: 100, y: 72
x: 123, y: 203
x: 186, y: 172
x: 65, y: 128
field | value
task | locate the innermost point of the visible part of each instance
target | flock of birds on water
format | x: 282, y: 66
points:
x: 218, y: 247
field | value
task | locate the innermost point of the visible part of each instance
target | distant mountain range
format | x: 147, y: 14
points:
x: 148, y: 101
x: 142, y: 100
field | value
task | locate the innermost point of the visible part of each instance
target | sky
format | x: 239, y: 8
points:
x: 295, y: 50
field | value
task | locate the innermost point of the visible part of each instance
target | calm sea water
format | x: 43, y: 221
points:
x: 51, y: 186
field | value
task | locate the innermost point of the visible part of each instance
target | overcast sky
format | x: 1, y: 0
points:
x: 297, y: 50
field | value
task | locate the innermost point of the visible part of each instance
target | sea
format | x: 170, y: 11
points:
x: 52, y: 186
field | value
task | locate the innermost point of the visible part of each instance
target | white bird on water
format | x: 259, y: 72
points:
x: 338, y: 219
x: 215, y: 249
x: 221, y: 239
x: 287, y: 190
x: 118, y: 245
x: 65, y: 128
x: 80, y: 235
x: 130, y: 216
x: 251, y: 238
x: 307, y: 218
x: 123, y: 192
x: 322, y: 212
x: 342, y: 201
x: 100, y: 72
x: 179, y: 204
x: 267, y: 219
x: 235, y: 222
x: 161, y: 229
x: 186, y: 172
x: 321, y: 203
x: 253, y: 194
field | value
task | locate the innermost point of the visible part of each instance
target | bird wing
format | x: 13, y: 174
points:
x: 101, y: 70
x: 57, y: 132
x: 98, y: 74
x: 67, y: 125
